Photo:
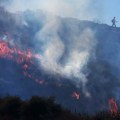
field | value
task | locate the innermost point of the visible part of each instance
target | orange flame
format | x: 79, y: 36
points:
x: 14, y: 53
x: 21, y: 57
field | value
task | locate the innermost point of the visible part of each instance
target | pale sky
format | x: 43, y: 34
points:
x: 111, y: 9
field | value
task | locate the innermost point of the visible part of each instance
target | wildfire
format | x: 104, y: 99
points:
x: 113, y: 106
x: 76, y: 95
x: 14, y: 53
x: 24, y: 58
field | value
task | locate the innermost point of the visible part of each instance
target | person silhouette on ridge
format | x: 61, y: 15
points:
x: 114, y: 22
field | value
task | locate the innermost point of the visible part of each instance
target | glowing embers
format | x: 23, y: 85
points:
x: 76, y: 95
x: 113, y: 106
x: 36, y: 79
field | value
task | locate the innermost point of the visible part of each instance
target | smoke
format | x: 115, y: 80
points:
x: 79, y: 47
x: 87, y: 9
x: 4, y: 2
x: 65, y: 48
x: 69, y: 57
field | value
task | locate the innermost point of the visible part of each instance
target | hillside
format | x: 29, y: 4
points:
x: 75, y: 61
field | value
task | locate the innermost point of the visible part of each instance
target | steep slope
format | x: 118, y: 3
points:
x: 75, y: 61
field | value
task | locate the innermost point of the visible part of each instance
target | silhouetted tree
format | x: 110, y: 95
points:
x: 11, y: 107
x: 37, y: 108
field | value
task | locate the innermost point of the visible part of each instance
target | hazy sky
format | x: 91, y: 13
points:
x: 103, y: 10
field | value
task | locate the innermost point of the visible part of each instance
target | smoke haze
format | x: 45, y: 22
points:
x: 66, y: 58
x: 74, y: 53
x: 87, y: 9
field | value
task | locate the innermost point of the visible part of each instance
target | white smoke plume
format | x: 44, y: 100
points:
x: 80, y: 48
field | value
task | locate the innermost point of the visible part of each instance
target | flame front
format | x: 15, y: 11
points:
x: 24, y: 58
x: 14, y: 53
